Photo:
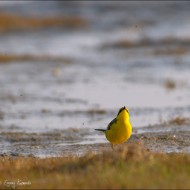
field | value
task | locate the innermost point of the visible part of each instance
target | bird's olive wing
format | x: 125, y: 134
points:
x: 111, y: 123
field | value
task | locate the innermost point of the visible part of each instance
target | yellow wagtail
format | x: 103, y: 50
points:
x: 119, y: 129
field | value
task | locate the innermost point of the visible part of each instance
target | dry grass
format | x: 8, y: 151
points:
x: 179, y: 121
x: 170, y: 84
x: 10, y: 22
x: 130, y: 166
x: 8, y: 58
x: 169, y: 43
x: 96, y: 111
x: 171, y: 51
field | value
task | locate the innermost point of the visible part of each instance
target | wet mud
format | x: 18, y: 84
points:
x: 76, y: 142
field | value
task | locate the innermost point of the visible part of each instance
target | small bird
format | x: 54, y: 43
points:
x: 119, y: 129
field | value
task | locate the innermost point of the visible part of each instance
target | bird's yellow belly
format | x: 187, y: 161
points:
x: 119, y: 134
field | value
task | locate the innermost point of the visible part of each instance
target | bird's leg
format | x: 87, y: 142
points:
x: 112, y: 146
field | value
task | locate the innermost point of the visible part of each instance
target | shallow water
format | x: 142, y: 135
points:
x: 150, y: 74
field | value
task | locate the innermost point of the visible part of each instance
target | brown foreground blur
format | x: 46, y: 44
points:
x: 128, y: 166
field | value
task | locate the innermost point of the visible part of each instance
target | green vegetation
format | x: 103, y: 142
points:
x: 129, y: 166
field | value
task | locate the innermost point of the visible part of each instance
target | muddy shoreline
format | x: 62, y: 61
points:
x: 67, y: 143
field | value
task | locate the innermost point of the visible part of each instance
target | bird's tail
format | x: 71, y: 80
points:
x: 103, y: 130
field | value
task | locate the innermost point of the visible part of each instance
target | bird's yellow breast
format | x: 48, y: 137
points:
x: 120, y: 130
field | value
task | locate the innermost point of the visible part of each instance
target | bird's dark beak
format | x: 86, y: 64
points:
x: 126, y: 109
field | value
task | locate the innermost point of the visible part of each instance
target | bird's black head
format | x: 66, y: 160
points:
x: 121, y: 109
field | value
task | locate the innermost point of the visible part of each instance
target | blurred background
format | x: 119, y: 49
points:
x: 72, y: 65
